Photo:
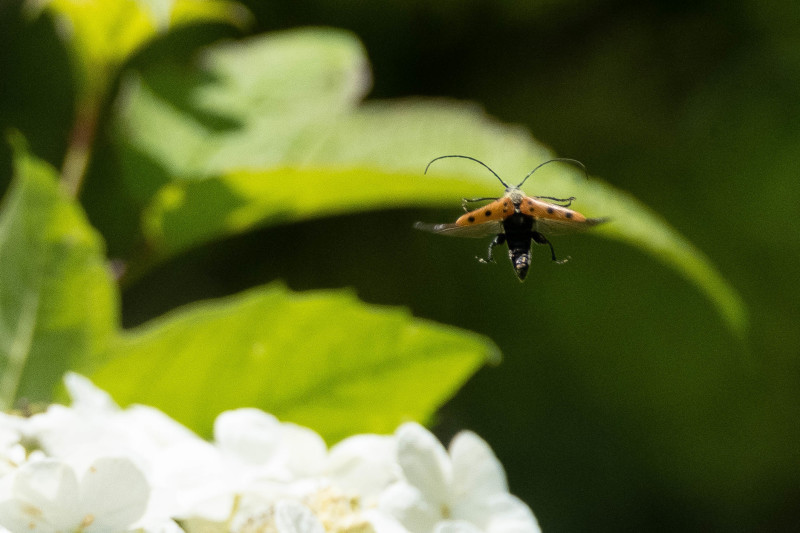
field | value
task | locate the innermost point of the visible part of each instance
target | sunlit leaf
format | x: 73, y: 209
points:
x: 252, y: 104
x: 58, y: 302
x: 104, y: 33
x: 322, y: 359
x: 288, y: 143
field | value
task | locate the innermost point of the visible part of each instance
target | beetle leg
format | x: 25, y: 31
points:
x: 566, y: 202
x: 538, y: 238
x: 465, y: 201
x: 500, y: 239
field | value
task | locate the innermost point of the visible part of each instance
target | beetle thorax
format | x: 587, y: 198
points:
x: 516, y: 195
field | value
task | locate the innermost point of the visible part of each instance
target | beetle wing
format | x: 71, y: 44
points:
x: 555, y: 219
x: 550, y: 226
x: 498, y: 210
x: 486, y: 229
x: 545, y: 210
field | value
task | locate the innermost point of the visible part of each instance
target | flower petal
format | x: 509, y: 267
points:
x: 282, y: 450
x: 382, y: 522
x: 364, y: 465
x: 424, y: 462
x: 47, y: 492
x: 511, y: 515
x: 302, y: 449
x: 159, y: 430
x: 407, y: 504
x: 249, y: 434
x: 456, y: 526
x: 190, y: 479
x: 477, y: 474
x: 115, y: 492
x: 86, y: 397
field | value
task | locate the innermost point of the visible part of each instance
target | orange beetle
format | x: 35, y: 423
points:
x: 515, y: 219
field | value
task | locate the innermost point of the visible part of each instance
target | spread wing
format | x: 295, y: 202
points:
x: 484, y: 229
x: 561, y: 226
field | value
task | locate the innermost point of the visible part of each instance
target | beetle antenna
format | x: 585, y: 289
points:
x: 477, y: 161
x: 561, y: 159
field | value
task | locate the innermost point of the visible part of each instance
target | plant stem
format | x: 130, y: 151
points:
x: 79, y: 150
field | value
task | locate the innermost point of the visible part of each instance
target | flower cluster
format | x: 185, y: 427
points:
x: 94, y: 467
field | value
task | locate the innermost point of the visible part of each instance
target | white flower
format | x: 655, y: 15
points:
x: 99, y: 468
x: 364, y: 465
x: 12, y: 452
x: 256, y: 461
x: 94, y: 426
x: 266, y: 448
x: 189, y: 479
x: 285, y: 516
x: 465, y: 491
x: 47, y: 497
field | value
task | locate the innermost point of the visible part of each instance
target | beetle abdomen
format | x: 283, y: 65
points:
x: 521, y: 260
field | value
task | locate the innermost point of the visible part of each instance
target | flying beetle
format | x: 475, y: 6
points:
x: 515, y: 219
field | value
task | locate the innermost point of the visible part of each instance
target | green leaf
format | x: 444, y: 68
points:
x: 185, y: 215
x: 322, y: 359
x: 250, y: 105
x: 58, y: 302
x: 104, y: 33
x: 257, y: 148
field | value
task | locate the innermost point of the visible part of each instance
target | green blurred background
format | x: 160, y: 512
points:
x: 623, y: 402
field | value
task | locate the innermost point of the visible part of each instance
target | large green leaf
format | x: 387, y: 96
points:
x: 256, y: 146
x: 322, y: 359
x: 104, y: 33
x: 250, y: 106
x: 58, y: 302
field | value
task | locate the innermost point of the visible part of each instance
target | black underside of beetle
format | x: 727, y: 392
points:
x: 518, y: 231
